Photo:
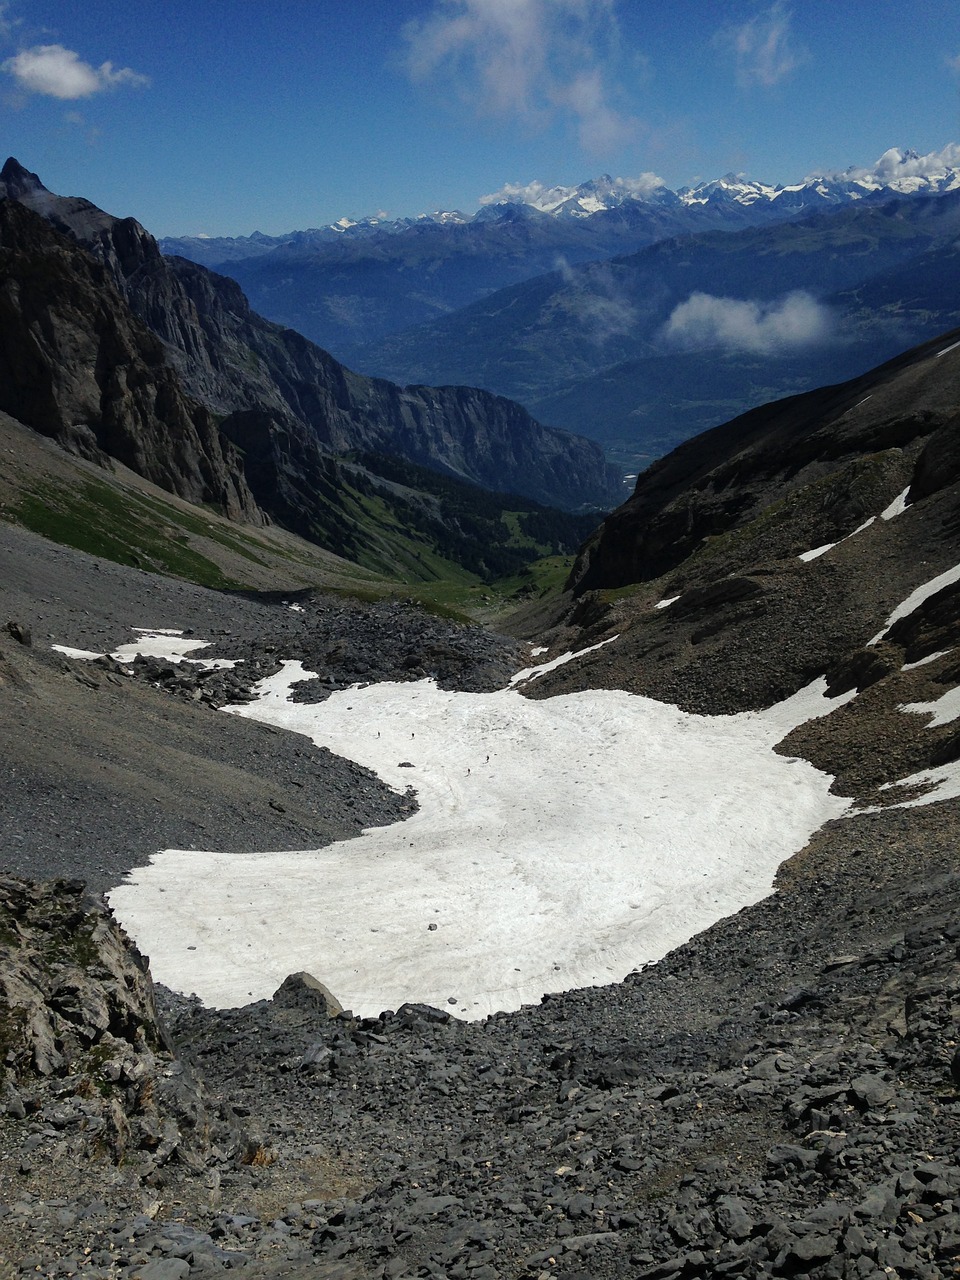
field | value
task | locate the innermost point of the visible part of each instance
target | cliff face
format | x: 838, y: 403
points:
x: 801, y: 467
x: 234, y: 361
x: 76, y: 365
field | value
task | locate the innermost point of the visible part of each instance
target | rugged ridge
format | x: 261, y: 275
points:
x: 234, y: 361
x: 722, y: 480
x: 644, y: 350
x: 77, y: 366
x: 355, y: 282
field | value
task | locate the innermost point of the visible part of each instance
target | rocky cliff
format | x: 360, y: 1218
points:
x: 76, y: 365
x: 234, y: 361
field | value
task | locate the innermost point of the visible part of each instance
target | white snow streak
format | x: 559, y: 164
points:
x: 86, y: 655
x: 943, y: 710
x: 944, y: 779
x: 828, y: 547
x: 897, y: 507
x: 534, y: 673
x: 916, y: 598
x: 160, y: 642
x: 922, y: 662
x: 816, y: 552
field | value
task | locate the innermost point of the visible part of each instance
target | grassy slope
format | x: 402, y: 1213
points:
x: 417, y: 538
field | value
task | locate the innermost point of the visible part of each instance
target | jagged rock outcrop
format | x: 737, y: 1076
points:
x: 76, y: 365
x: 234, y: 361
x: 81, y: 1046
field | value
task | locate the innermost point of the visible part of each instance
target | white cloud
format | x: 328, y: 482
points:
x: 532, y: 60
x: 763, y: 47
x: 894, y: 165
x: 764, y: 328
x: 57, y: 72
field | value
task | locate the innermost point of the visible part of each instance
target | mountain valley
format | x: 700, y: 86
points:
x: 775, y: 1092
x: 629, y: 313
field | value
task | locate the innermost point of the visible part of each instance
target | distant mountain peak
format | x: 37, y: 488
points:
x: 18, y: 181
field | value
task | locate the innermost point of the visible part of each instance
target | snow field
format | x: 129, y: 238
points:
x: 559, y: 843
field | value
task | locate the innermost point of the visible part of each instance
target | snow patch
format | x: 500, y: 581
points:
x: 159, y: 642
x: 534, y: 673
x: 943, y: 710
x: 922, y: 662
x: 559, y: 843
x: 944, y: 779
x: 86, y: 654
x: 828, y: 547
x: 816, y: 552
x: 666, y: 603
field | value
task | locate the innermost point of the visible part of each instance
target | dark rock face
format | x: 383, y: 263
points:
x: 823, y: 441
x: 77, y: 366
x: 234, y: 361
x: 81, y: 1042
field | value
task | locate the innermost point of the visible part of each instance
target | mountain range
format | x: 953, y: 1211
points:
x: 355, y: 286
x: 627, y: 312
x: 648, y: 349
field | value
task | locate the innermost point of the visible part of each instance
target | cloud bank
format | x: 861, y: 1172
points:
x: 57, y: 72
x: 787, y: 324
x: 763, y: 48
x: 528, y: 60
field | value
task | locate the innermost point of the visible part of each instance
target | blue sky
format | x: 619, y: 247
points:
x: 226, y: 116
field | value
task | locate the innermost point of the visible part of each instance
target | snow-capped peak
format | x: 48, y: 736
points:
x: 904, y: 172
x: 590, y: 197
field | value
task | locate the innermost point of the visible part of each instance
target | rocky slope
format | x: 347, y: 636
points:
x: 305, y: 405
x: 777, y: 1097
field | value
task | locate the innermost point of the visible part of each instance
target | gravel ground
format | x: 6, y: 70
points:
x: 777, y: 1097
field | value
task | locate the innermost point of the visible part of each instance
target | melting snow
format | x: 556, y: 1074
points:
x: 559, y: 843
x: 828, y: 547
x: 159, y: 642
x: 916, y: 598
x: 945, y: 780
x: 943, y: 710
x: 665, y: 604
x: 534, y: 673
x: 922, y: 662
x: 85, y: 654
x: 897, y: 507
x: 816, y: 552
